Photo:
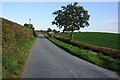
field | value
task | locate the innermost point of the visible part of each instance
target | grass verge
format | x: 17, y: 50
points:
x: 88, y: 55
x: 14, y: 61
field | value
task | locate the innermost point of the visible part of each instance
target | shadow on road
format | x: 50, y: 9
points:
x: 41, y: 37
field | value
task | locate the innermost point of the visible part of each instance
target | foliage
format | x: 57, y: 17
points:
x: 49, y: 30
x: 55, y: 31
x: 31, y: 26
x: 28, y: 25
x: 72, y: 17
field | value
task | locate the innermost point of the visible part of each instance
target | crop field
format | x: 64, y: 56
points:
x: 109, y: 40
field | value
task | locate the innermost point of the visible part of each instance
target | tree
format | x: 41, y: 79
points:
x: 71, y: 17
x: 55, y: 31
x: 26, y: 25
x: 49, y: 30
x: 58, y: 31
x: 31, y: 26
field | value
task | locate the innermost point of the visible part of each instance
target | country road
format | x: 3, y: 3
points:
x: 46, y: 60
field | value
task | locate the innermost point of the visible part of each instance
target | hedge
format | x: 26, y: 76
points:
x: 105, y: 51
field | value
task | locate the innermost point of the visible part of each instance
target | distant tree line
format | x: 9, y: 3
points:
x: 54, y: 30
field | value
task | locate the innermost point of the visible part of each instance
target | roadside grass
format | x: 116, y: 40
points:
x: 16, y: 43
x: 14, y: 61
x: 0, y: 62
x: 109, y: 40
x: 88, y: 55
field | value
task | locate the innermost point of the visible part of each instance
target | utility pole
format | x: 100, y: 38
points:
x: 29, y: 21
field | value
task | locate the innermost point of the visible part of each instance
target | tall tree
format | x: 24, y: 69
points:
x: 71, y: 17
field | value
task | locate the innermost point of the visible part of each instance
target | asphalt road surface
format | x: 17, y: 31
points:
x: 46, y: 60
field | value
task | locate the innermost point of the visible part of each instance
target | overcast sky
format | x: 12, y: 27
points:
x: 103, y: 15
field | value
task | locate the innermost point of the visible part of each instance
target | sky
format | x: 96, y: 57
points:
x: 103, y: 15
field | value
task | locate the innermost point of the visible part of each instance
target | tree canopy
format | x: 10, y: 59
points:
x: 49, y: 30
x: 28, y: 25
x: 71, y: 17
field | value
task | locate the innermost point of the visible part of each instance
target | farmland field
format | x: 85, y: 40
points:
x: 109, y: 40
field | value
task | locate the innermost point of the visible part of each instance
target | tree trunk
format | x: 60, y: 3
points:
x: 63, y: 31
x: 71, y: 36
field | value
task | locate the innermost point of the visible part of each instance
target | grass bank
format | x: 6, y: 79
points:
x: 15, y: 60
x: 16, y: 43
x: 95, y: 58
x: 109, y: 40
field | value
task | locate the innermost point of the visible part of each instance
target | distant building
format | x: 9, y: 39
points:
x: 51, y: 33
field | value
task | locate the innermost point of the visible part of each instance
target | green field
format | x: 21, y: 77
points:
x: 109, y: 40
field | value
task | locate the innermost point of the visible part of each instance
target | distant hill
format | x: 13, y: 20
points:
x: 109, y: 40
